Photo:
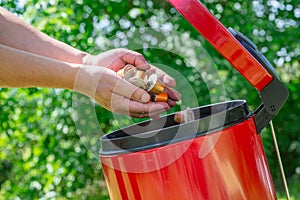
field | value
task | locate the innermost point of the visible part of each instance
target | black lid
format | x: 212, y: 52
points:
x: 155, y: 133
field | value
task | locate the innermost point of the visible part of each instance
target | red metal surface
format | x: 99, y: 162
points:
x: 223, y: 41
x: 235, y: 168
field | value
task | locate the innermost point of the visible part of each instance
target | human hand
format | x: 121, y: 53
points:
x: 116, y: 94
x: 116, y: 59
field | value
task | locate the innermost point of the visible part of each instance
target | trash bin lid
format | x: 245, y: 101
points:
x: 164, y: 131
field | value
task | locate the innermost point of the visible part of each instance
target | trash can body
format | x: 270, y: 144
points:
x: 222, y: 159
x: 217, y: 155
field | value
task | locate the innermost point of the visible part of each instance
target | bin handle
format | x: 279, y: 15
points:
x: 242, y: 54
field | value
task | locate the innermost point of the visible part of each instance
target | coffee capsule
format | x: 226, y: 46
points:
x: 138, y: 82
x: 129, y: 71
x: 162, y: 97
x: 154, y: 86
x: 135, y: 76
x: 121, y: 73
x: 184, y: 116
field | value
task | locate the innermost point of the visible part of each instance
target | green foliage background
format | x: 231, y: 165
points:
x: 41, y: 155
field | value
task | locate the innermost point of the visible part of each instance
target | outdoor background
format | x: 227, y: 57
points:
x: 41, y: 155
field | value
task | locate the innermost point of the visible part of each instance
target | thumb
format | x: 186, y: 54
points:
x: 126, y: 89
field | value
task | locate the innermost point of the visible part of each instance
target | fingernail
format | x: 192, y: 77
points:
x: 179, y: 96
x: 145, y: 98
x: 169, y: 81
x: 155, y: 117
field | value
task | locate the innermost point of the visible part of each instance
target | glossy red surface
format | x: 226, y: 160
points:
x: 234, y: 168
x: 223, y: 41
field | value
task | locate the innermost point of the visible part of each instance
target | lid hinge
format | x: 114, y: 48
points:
x: 273, y: 95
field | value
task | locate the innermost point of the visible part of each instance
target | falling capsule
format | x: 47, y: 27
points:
x: 184, y: 116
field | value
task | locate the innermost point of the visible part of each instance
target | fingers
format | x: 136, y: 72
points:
x: 163, y: 77
x: 171, y: 103
x: 173, y: 94
x: 121, y: 87
x: 155, y: 117
x: 136, y: 109
x: 169, y: 82
x: 150, y: 109
x: 130, y: 91
x: 139, y: 105
x: 136, y: 101
x: 135, y: 58
x: 116, y: 59
x: 166, y: 79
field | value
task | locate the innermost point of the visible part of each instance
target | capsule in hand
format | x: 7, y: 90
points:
x: 162, y: 97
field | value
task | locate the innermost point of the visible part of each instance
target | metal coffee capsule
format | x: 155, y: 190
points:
x: 154, y: 86
x: 162, y: 97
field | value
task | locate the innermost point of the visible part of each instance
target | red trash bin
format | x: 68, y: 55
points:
x: 219, y: 154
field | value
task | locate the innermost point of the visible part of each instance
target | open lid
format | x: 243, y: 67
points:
x: 242, y: 54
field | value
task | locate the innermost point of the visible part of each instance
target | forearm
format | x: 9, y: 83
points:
x: 17, y: 34
x: 23, y: 69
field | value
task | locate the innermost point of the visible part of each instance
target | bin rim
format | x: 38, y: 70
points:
x: 223, y: 115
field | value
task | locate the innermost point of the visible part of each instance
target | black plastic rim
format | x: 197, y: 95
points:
x: 156, y: 133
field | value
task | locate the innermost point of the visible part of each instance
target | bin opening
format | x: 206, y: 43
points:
x: 154, y: 133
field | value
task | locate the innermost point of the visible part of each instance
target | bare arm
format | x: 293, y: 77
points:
x: 30, y: 58
x: 17, y: 34
x: 22, y: 69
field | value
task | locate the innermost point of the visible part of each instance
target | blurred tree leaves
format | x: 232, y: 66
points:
x: 41, y: 154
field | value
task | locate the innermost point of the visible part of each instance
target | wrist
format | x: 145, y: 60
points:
x: 87, y: 79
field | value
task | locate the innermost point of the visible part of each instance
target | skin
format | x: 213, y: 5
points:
x: 30, y: 58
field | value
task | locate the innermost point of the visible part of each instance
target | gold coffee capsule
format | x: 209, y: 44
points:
x: 179, y: 117
x: 154, y: 86
x: 184, y: 116
x: 162, y: 97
